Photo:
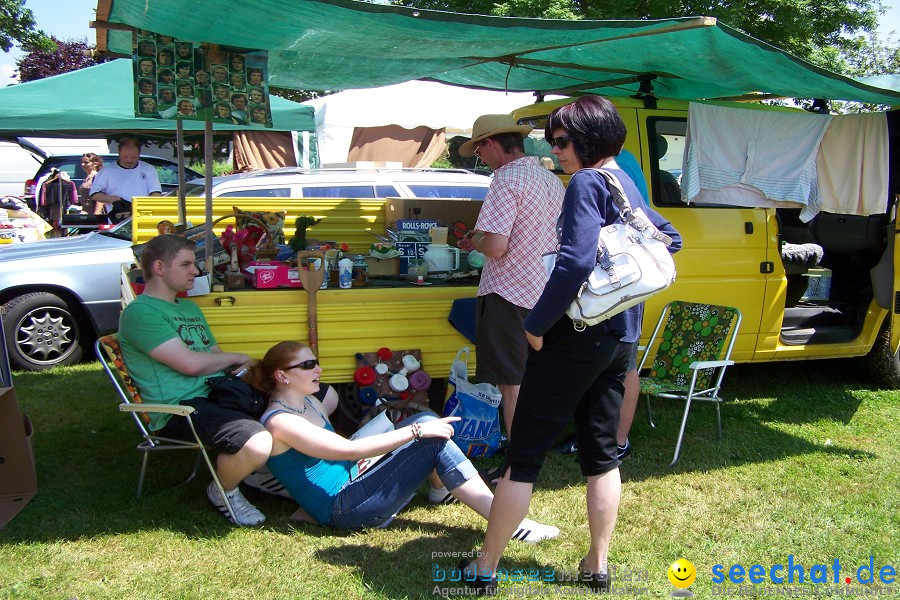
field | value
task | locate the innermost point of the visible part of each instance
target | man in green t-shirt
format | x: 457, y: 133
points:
x: 170, y: 351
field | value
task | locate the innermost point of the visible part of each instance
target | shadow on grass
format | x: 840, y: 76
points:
x: 87, y: 465
x: 391, y: 573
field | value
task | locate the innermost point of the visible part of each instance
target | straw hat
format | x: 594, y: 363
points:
x: 487, y: 125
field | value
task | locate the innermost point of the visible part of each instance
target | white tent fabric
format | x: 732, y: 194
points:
x: 409, y: 105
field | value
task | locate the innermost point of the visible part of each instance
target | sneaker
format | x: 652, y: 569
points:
x: 624, y: 451
x: 567, y: 446
x: 533, y: 532
x: 440, y: 496
x: 245, y: 513
x: 263, y: 480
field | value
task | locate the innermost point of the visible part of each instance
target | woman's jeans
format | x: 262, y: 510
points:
x: 374, y: 498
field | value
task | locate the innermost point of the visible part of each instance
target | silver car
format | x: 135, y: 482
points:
x: 57, y: 295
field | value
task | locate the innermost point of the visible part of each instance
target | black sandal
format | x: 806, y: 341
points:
x: 599, y: 582
x: 479, y: 586
x: 491, y: 475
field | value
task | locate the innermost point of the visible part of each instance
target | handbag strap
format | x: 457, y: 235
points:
x: 627, y: 213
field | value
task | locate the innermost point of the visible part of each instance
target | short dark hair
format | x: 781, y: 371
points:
x: 594, y: 126
x: 164, y: 248
x: 510, y: 141
x: 129, y: 140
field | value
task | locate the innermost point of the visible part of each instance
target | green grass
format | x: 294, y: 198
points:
x: 807, y: 467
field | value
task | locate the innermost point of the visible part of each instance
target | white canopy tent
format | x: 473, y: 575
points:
x: 410, y: 105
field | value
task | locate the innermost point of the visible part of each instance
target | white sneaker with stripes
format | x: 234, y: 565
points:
x: 245, y: 514
x: 263, y: 480
x: 533, y: 532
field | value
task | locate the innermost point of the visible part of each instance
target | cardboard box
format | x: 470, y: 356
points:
x: 264, y: 275
x: 18, y: 477
x: 442, y: 210
x: 202, y: 285
x: 383, y: 266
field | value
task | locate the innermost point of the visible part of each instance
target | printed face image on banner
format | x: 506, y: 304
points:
x: 182, y: 79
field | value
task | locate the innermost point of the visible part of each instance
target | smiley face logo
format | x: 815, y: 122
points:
x: 682, y: 573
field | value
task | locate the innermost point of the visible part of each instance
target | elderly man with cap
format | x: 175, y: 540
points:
x: 516, y: 225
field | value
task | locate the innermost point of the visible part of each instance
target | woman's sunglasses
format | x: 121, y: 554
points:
x: 306, y: 365
x: 560, y: 142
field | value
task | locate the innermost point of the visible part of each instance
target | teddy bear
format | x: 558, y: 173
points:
x: 273, y: 221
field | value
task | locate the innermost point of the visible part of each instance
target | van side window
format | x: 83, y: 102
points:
x: 666, y: 137
x: 386, y: 191
x: 339, y: 191
x: 259, y: 193
x: 448, y: 191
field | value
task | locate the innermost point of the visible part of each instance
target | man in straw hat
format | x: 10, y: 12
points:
x: 517, y: 224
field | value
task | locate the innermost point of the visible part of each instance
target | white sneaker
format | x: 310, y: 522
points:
x: 263, y: 480
x: 245, y: 513
x: 440, y: 496
x: 533, y: 532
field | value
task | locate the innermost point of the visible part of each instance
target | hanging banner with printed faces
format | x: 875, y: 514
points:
x: 180, y: 79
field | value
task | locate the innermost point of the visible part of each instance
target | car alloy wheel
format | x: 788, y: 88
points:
x: 41, y: 332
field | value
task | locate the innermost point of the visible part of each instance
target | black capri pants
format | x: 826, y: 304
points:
x: 577, y: 375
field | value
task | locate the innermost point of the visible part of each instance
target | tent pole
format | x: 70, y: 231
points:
x: 179, y: 143
x: 208, y: 159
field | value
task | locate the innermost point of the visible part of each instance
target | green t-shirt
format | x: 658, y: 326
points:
x: 145, y: 324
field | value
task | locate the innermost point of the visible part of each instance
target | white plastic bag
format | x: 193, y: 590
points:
x: 477, y: 405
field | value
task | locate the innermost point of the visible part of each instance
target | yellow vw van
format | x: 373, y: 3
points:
x: 733, y: 256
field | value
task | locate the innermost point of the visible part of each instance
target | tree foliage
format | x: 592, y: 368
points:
x: 297, y: 95
x: 17, y: 25
x: 67, y: 56
x: 822, y: 31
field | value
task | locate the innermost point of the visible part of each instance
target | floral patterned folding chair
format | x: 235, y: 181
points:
x: 109, y: 353
x: 693, y: 348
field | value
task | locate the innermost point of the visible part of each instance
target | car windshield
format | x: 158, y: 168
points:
x: 193, y: 189
x: 122, y: 231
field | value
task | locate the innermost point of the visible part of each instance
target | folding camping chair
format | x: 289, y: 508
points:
x: 109, y: 353
x: 692, y: 354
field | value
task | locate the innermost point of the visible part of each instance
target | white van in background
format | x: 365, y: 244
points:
x: 21, y: 157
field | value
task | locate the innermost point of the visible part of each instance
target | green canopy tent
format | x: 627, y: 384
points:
x: 340, y: 44
x: 99, y: 101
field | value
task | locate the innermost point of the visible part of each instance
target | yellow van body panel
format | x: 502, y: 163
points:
x: 349, y: 321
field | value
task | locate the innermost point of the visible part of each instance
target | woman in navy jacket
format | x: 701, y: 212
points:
x: 572, y: 374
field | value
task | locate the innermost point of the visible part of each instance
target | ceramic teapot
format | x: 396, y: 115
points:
x: 441, y: 258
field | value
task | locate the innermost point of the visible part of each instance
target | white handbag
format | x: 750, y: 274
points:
x: 633, y: 263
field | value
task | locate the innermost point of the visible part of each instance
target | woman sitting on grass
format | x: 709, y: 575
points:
x: 319, y: 467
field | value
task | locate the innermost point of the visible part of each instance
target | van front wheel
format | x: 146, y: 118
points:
x: 884, y: 365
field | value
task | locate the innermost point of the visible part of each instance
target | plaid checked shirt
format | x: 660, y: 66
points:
x: 523, y: 204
